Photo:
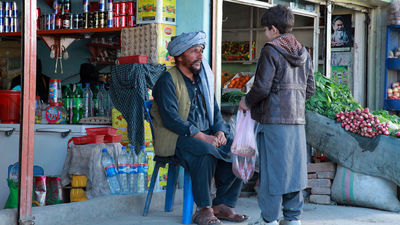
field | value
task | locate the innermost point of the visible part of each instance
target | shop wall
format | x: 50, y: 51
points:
x: 78, y: 52
x: 194, y: 15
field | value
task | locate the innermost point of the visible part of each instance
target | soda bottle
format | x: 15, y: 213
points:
x: 96, y: 101
x: 132, y: 177
x: 67, y: 101
x: 111, y: 171
x: 77, y: 107
x: 102, y: 96
x: 88, y: 101
x: 123, y: 170
x: 143, y: 171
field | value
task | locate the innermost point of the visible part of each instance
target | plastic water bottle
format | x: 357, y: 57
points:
x: 143, y: 171
x: 111, y: 171
x: 132, y: 177
x: 88, y: 101
x: 77, y: 107
x: 102, y: 96
x: 67, y: 102
x: 123, y: 170
x: 96, y: 101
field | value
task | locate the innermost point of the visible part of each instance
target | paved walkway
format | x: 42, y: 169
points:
x: 313, y: 215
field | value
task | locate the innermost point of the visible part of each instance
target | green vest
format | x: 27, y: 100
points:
x: 164, y: 140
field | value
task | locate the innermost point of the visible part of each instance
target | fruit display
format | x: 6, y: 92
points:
x: 239, y: 82
x: 394, y: 92
x: 237, y: 50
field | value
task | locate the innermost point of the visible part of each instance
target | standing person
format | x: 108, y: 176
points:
x: 284, y: 79
x: 188, y: 124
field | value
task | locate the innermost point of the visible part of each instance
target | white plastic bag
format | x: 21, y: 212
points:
x: 244, y: 147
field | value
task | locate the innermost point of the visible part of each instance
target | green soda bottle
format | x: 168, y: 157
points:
x: 77, y: 106
x: 67, y: 101
x: 96, y: 101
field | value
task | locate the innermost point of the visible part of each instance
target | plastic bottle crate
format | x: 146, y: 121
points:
x: 90, y: 139
x: 101, y: 131
x: 112, y: 138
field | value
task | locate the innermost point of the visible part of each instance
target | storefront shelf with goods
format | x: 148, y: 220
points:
x: 392, y: 69
x: 67, y: 31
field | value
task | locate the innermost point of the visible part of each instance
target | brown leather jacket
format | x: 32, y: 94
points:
x: 283, y: 82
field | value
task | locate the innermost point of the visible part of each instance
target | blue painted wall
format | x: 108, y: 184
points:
x: 194, y: 15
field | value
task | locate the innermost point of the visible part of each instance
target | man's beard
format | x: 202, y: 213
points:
x: 195, y: 70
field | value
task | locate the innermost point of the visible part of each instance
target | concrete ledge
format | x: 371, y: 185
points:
x: 97, y: 208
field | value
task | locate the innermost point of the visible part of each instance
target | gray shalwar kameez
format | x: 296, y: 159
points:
x: 203, y: 160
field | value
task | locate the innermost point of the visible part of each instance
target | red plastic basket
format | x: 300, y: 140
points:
x: 101, y: 131
x: 90, y: 139
x: 132, y: 59
x: 112, y: 138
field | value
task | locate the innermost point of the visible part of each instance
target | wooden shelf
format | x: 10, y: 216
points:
x: 66, y: 31
x: 104, y: 45
x: 240, y: 61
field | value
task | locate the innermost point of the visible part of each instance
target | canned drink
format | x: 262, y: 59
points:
x: 1, y: 25
x: 116, y: 8
x: 75, y: 21
x: 85, y: 20
x: 48, y: 21
x: 14, y: 9
x: 110, y: 21
x: 86, y: 6
x: 56, y: 7
x: 122, y: 8
x: 13, y: 24
x: 109, y: 5
x: 7, y: 9
x: 96, y: 19
x: 2, y: 9
x: 122, y: 21
x: 53, y: 22
x: 116, y: 21
x: 131, y: 20
x: 102, y: 5
x: 102, y: 19
x: 130, y: 8
x: 91, y: 20
x: 6, y: 24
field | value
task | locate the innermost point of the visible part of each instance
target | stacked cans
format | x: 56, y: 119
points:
x: 124, y: 14
x: 8, y: 17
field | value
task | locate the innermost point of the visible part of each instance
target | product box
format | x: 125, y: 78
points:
x: 156, y: 11
x: 161, y: 182
x: 121, y: 125
x: 150, y: 40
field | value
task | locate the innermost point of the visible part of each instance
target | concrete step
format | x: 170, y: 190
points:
x: 97, y: 209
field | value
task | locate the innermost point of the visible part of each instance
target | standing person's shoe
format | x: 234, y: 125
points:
x: 261, y: 221
x: 290, y: 222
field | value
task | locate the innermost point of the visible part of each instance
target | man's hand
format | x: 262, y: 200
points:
x: 207, y: 138
x: 221, y: 138
x: 242, y: 104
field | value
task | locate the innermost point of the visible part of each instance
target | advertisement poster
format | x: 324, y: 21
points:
x: 342, y: 32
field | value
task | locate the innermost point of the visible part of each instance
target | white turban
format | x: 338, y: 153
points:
x: 179, y: 44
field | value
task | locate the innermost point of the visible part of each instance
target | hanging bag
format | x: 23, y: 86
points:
x: 244, y: 147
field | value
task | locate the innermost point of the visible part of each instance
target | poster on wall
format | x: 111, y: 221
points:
x: 340, y: 74
x: 342, y: 32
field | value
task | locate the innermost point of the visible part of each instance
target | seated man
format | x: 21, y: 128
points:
x: 188, y: 124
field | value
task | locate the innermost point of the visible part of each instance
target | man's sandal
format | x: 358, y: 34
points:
x: 206, y: 218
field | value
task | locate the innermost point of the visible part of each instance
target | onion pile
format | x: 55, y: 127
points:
x: 362, y: 122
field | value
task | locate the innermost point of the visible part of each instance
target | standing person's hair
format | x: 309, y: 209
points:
x: 279, y: 16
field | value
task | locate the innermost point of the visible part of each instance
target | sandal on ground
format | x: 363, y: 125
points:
x: 224, y: 212
x: 205, y: 216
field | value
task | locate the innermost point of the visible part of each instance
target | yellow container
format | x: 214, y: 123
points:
x: 77, y: 195
x: 156, y: 11
x: 120, y: 123
x: 166, y: 32
x: 79, y: 181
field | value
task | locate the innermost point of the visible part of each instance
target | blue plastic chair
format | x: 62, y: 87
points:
x: 173, y: 172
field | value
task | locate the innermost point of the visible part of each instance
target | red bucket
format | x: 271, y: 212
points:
x: 10, y: 105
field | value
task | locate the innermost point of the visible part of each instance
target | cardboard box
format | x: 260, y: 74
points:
x: 151, y: 40
x: 156, y: 11
x: 121, y: 125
